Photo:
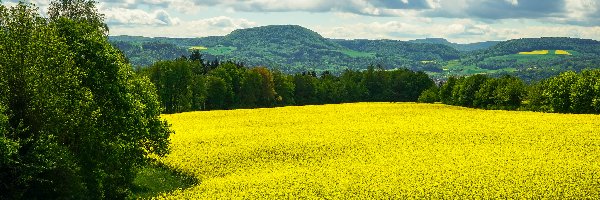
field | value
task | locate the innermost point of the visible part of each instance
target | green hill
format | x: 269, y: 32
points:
x: 293, y: 49
x: 460, y: 47
x: 504, y: 56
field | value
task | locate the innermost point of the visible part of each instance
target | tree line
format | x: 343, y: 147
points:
x: 568, y: 92
x: 188, y: 84
x: 75, y: 121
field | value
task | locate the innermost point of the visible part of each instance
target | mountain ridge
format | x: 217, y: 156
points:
x: 294, y: 49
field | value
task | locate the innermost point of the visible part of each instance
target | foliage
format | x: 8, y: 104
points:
x: 464, y: 91
x: 76, y: 122
x: 568, y: 92
x: 294, y: 49
x: 460, y: 47
x: 231, y: 85
x: 430, y: 95
x: 385, y: 151
x: 145, y: 54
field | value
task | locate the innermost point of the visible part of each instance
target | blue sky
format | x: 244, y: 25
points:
x: 461, y: 21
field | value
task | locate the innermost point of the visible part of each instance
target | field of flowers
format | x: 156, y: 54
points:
x: 536, y: 52
x: 386, y: 150
x: 561, y: 52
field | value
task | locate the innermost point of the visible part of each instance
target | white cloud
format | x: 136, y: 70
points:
x: 459, y: 30
x: 362, y: 7
x: 513, y: 2
x: 457, y: 20
x: 221, y: 25
x: 123, y: 16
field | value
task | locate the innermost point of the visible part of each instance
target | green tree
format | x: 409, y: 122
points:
x: 375, y: 80
x: 510, y: 93
x: 266, y: 95
x: 284, y: 88
x: 430, y: 95
x: 251, y: 89
x: 536, y: 100
x: 558, y: 92
x: 216, y: 93
x: 446, y: 91
x: 351, y: 83
x: 305, y: 92
x: 79, y: 122
x: 596, y: 100
x: 198, y: 87
x: 232, y: 74
x: 173, y: 80
x: 583, y: 92
x: 464, y: 91
x: 484, y: 97
x: 328, y: 89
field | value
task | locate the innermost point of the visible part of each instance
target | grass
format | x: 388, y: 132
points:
x: 200, y: 48
x: 220, y: 50
x: 154, y: 179
x: 385, y: 151
x: 456, y: 68
x: 358, y: 54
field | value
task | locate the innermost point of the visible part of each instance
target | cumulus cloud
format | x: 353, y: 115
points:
x: 462, y: 29
x: 223, y: 23
x: 456, y: 30
x: 124, y: 16
x: 362, y: 7
x: 458, y: 20
x: 220, y: 25
x: 581, y: 12
x: 499, y: 9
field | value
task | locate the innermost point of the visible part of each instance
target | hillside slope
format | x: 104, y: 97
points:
x: 513, y: 57
x: 460, y: 47
x: 294, y: 48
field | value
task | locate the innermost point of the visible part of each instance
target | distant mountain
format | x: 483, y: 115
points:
x: 292, y: 49
x: 557, y: 54
x: 460, y: 47
x: 407, y: 50
x: 142, y: 52
x: 586, y: 46
x: 286, y: 36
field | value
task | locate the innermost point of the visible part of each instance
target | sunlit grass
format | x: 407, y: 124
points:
x: 200, y: 48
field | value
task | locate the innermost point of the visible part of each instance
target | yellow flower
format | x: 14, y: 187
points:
x: 385, y: 150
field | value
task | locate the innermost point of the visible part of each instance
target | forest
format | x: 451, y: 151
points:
x: 75, y: 121
x: 190, y: 84
x: 294, y: 49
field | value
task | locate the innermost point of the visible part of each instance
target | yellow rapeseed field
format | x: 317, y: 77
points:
x: 536, y: 52
x: 561, y: 52
x: 385, y: 150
